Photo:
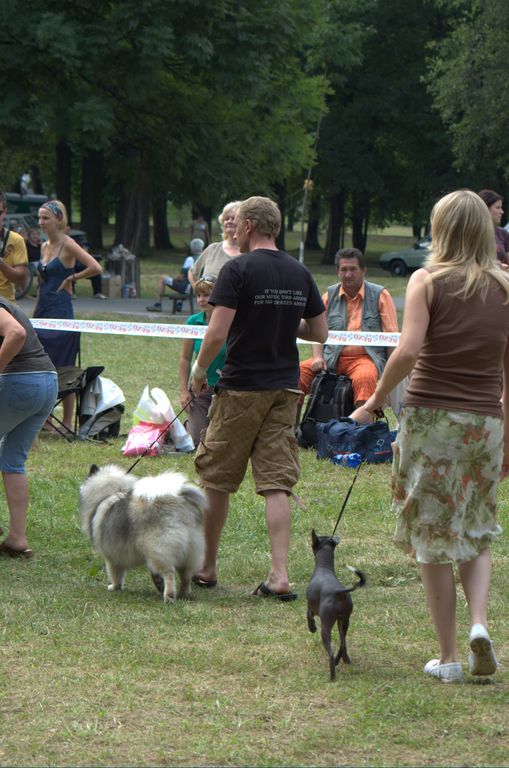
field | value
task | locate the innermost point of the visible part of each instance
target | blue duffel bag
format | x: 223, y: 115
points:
x: 372, y: 441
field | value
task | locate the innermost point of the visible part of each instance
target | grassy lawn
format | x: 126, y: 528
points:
x: 94, y: 678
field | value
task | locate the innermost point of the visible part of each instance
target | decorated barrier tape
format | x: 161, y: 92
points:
x: 177, y: 331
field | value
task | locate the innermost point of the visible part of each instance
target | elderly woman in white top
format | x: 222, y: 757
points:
x: 217, y: 254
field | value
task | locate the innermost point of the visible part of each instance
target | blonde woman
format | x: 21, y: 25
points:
x: 453, y: 444
x: 59, y: 256
x: 217, y: 254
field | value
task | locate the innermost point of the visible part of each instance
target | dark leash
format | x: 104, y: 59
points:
x: 161, y: 434
x: 346, y: 498
x: 379, y: 413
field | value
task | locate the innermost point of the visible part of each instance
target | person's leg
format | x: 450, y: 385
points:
x: 16, y: 493
x: 475, y: 576
x: 68, y: 404
x: 279, y: 521
x: 214, y: 519
x: 37, y: 391
x: 164, y: 281
x: 97, y: 285
x: 438, y: 582
x: 198, y: 416
x: 221, y: 460
x: 275, y: 464
x: 363, y: 373
x: 305, y: 380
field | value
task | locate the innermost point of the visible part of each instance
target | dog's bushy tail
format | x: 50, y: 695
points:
x: 360, y: 583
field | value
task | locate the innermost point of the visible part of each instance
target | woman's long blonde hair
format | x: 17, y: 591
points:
x: 463, y: 244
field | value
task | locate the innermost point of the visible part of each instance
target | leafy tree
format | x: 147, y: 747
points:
x: 469, y: 79
x: 383, y: 151
x: 202, y: 100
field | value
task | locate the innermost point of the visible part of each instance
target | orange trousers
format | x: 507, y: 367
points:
x: 359, y: 368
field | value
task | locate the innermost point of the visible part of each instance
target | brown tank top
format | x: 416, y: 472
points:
x: 459, y: 367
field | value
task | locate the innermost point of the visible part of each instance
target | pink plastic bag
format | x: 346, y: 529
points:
x: 141, y: 436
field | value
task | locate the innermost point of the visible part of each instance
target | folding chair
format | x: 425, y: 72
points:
x: 175, y: 296
x: 72, y: 381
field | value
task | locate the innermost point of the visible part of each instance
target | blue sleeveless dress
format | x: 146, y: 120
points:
x: 61, y: 346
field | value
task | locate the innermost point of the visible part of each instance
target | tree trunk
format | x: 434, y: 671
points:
x: 335, y: 229
x: 161, y: 231
x: 290, y: 219
x: 63, y: 175
x: 91, y: 196
x: 35, y: 173
x: 360, y: 218
x: 311, y: 241
x: 137, y: 230
x: 121, y: 209
x: 416, y: 230
x: 280, y: 192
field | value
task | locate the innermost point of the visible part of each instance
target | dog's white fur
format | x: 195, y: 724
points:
x: 153, y: 520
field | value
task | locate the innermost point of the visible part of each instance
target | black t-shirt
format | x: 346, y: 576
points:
x: 270, y: 291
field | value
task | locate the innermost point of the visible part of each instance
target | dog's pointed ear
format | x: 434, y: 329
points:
x: 93, y: 470
x: 335, y: 540
x: 314, y: 538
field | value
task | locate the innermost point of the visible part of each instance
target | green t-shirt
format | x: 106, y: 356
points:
x: 216, y: 366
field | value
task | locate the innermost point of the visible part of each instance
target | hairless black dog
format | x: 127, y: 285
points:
x: 329, y: 599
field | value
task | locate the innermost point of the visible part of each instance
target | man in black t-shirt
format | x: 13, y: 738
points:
x: 263, y: 300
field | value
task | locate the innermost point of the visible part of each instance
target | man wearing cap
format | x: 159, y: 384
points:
x: 13, y: 257
x: 263, y: 299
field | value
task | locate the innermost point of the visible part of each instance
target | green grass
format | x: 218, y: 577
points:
x: 94, y: 678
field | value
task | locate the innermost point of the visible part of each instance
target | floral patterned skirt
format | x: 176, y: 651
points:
x: 444, y: 482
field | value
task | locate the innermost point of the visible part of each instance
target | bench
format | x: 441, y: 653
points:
x: 175, y: 296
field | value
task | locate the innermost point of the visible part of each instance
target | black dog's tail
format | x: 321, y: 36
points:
x: 360, y: 583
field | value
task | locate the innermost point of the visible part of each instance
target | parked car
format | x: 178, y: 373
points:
x: 400, y: 263
x: 24, y: 203
x: 22, y: 222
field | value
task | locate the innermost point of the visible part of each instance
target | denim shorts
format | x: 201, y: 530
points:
x: 26, y: 400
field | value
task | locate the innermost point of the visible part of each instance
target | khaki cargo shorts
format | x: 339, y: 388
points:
x: 250, y: 425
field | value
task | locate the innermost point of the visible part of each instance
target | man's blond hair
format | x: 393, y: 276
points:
x: 263, y: 213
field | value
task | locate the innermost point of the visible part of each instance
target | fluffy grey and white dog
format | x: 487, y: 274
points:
x: 153, y: 520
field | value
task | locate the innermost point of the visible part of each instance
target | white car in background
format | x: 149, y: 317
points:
x: 400, y: 263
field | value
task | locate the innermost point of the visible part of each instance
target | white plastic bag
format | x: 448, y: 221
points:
x: 154, y: 407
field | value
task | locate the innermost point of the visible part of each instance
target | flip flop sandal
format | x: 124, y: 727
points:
x: 5, y: 549
x: 262, y: 590
x: 204, y: 583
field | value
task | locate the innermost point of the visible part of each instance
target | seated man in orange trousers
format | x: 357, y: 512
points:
x: 353, y: 304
